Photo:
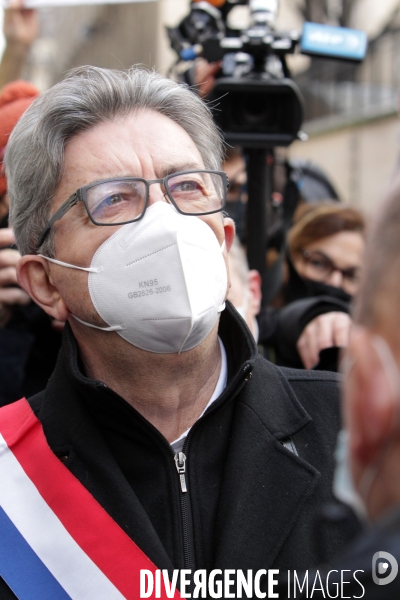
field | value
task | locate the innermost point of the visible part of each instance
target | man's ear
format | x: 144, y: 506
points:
x: 254, y: 285
x: 229, y: 227
x: 370, y: 399
x: 34, y: 277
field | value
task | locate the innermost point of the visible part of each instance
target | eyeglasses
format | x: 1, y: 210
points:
x: 123, y: 200
x: 322, y: 267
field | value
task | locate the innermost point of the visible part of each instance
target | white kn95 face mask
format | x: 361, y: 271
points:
x: 160, y: 282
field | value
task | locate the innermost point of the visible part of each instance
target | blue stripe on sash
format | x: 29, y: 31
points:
x: 22, y: 569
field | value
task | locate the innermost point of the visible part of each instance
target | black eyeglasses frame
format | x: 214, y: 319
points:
x: 81, y: 196
x: 350, y: 274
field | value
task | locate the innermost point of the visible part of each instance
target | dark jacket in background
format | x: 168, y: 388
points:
x: 358, y: 560
x: 259, y: 462
x: 280, y: 330
x: 28, y: 353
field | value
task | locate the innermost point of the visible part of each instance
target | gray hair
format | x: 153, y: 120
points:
x: 86, y: 97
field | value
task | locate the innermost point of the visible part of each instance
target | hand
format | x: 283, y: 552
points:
x: 10, y: 292
x: 205, y: 76
x: 21, y: 25
x: 325, y: 331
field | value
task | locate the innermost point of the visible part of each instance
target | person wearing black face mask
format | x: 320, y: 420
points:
x: 325, y: 247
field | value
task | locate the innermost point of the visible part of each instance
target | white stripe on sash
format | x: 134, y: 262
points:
x: 47, y: 536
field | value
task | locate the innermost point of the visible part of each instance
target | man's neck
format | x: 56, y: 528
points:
x: 169, y: 390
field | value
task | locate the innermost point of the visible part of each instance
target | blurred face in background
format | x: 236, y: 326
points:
x: 235, y: 168
x: 335, y: 260
x: 3, y: 207
x: 245, y: 289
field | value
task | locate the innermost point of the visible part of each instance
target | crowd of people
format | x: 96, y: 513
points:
x: 184, y: 423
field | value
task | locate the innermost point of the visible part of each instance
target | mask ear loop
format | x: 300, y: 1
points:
x: 64, y: 264
x: 89, y: 270
x: 111, y: 328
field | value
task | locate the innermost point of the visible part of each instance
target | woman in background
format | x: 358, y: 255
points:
x: 325, y: 248
x: 325, y: 251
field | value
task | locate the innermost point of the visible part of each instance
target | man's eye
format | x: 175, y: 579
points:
x: 113, y: 199
x: 107, y: 205
x: 108, y: 202
x: 186, y: 186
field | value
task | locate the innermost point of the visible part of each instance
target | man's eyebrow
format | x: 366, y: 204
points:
x: 164, y: 171
x: 167, y: 170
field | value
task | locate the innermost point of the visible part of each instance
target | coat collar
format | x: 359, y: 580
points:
x: 276, y: 404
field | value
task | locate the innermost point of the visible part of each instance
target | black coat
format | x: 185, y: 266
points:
x: 280, y: 330
x: 28, y: 353
x: 254, y: 502
x: 356, y: 567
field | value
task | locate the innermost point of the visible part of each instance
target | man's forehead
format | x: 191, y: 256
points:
x: 144, y: 133
x: 98, y: 154
x: 136, y: 122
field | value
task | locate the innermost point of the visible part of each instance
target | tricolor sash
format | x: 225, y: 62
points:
x: 56, y: 541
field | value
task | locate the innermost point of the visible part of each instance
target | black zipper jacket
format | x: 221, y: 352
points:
x: 258, y: 467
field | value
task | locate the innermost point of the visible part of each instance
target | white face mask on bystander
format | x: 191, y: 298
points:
x: 343, y: 485
x: 160, y: 282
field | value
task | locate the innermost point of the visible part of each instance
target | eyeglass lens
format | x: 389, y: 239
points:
x: 116, y: 201
x: 197, y: 192
x: 122, y: 201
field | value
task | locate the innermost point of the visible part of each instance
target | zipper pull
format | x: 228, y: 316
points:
x: 180, y: 460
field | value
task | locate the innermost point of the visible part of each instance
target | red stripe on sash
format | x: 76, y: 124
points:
x: 88, y: 523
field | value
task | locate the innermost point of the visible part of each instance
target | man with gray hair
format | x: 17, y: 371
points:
x: 367, y: 475
x: 177, y: 445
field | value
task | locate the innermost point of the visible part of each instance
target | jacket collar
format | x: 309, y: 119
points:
x: 238, y: 341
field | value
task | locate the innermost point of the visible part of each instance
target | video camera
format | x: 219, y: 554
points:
x: 259, y: 105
